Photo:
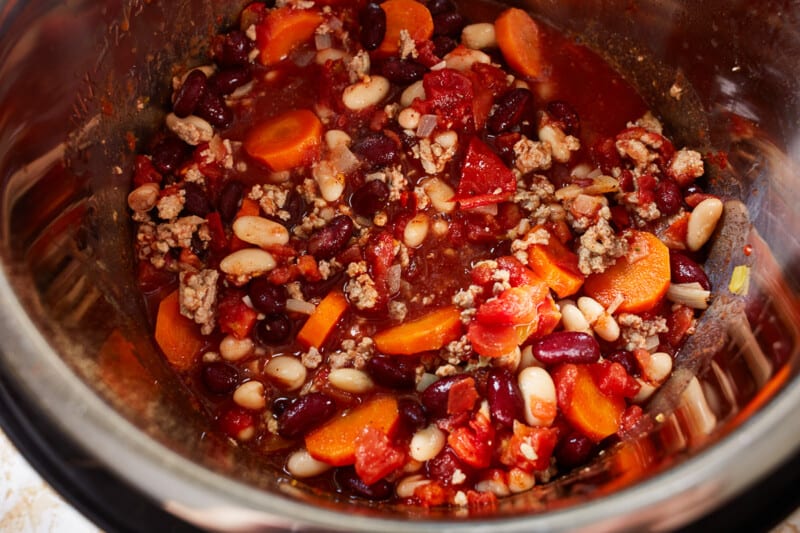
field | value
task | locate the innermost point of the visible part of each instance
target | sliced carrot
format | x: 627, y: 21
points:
x: 518, y: 38
x: 640, y: 280
x: 589, y: 410
x: 429, y: 332
x: 556, y: 265
x: 177, y: 336
x: 335, y: 442
x: 407, y: 15
x: 286, y: 141
x: 322, y: 321
x: 282, y: 30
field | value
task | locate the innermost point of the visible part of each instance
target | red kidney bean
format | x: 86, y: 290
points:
x: 296, y: 207
x: 373, y: 26
x: 566, y: 116
x: 684, y: 270
x: 370, y: 198
x: 434, y: 398
x: 440, y: 6
x: 449, y: 24
x: 318, y: 289
x: 668, y: 196
x: 304, y: 414
x: 401, y: 72
x: 189, y: 94
x: 196, y: 201
x: 567, y: 347
x: 229, y: 200
x: 212, y: 108
x: 376, y: 149
x: 510, y: 110
x: 574, y: 450
x: 220, y: 378
x: 348, y: 481
x: 627, y: 360
x: 232, y: 49
x: 392, y: 372
x: 442, y: 467
x: 412, y: 415
x: 505, y: 399
x: 274, y: 329
x: 443, y: 45
x: 226, y: 81
x: 266, y: 297
x: 331, y: 239
x: 604, y: 154
x: 169, y: 154
x: 279, y: 405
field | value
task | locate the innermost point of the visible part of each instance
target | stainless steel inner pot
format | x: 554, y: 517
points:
x: 82, y: 81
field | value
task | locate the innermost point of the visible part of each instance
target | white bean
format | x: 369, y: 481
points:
x: 520, y: 480
x: 336, y: 138
x: 426, y: 443
x: 287, y: 371
x: 233, y: 349
x: 447, y: 139
x: 539, y: 395
x: 247, y: 262
x: 301, y: 465
x: 658, y: 367
x: 350, y: 380
x: 495, y: 484
x: 331, y: 182
x: 260, y: 231
x: 330, y: 54
x: 527, y: 359
x: 557, y: 141
x: 412, y: 92
x: 416, y: 230
x: 250, y: 395
x: 408, y: 118
x: 702, y: 222
x: 405, y: 487
x: 572, y: 318
x: 144, y: 197
x: 596, y: 315
x: 480, y: 35
x: 462, y: 59
x: 365, y: 93
x: 191, y: 130
x: 440, y: 193
x: 645, y: 391
x: 509, y: 361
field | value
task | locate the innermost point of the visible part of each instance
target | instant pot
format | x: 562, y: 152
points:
x: 88, y: 398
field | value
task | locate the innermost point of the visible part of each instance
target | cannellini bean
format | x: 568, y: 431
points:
x: 596, y: 315
x: 233, y: 349
x: 330, y: 181
x: 440, y: 227
x: 509, y: 361
x: 426, y: 443
x: 426, y: 380
x: 260, y: 231
x: 350, y: 380
x: 496, y: 484
x: 301, y: 465
x: 365, y: 93
x: 336, y: 138
x: 247, y: 262
x: 144, y: 197
x: 645, y: 391
x: 416, y: 230
x: 250, y: 395
x: 191, y: 130
x: 405, y: 487
x: 408, y: 118
x: 572, y: 318
x: 412, y: 92
x: 287, y: 371
x: 658, y: 367
x: 539, y: 395
x: 440, y: 193
x: 702, y: 222
x: 330, y: 54
x: 447, y: 139
x: 527, y: 358
x: 520, y: 480
x: 462, y: 59
x: 557, y: 141
x: 477, y: 36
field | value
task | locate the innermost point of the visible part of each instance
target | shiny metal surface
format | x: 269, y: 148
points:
x: 80, y: 82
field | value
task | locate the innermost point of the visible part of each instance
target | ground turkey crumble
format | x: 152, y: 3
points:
x: 198, y: 297
x: 640, y: 333
x: 600, y: 248
x: 360, y: 288
x: 352, y: 354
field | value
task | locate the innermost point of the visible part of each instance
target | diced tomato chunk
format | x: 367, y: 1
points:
x: 485, y: 179
x: 529, y: 448
x: 376, y: 457
x: 474, y: 444
x: 462, y: 396
x: 234, y: 316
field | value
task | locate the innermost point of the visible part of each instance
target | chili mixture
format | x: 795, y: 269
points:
x: 415, y: 257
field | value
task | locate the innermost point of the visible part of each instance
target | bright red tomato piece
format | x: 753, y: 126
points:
x: 492, y: 340
x: 234, y: 316
x: 376, y: 457
x: 448, y: 94
x: 513, y: 307
x: 542, y: 441
x: 485, y: 179
x: 474, y: 444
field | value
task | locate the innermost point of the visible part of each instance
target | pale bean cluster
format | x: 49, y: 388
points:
x: 589, y: 316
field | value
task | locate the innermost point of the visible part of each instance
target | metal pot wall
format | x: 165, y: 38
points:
x: 81, y: 81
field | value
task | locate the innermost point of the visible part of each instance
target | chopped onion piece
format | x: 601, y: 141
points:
x: 488, y: 209
x: 302, y: 59
x: 343, y: 159
x: 427, y: 123
x: 299, y: 306
x: 322, y: 41
x: 691, y: 294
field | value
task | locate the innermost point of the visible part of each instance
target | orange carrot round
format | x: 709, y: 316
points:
x: 407, y: 15
x: 282, y: 30
x: 556, y: 265
x: 518, y: 38
x: 286, y: 141
x: 639, y: 281
x: 596, y: 415
x: 177, y: 336
x: 429, y: 332
x: 322, y: 321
